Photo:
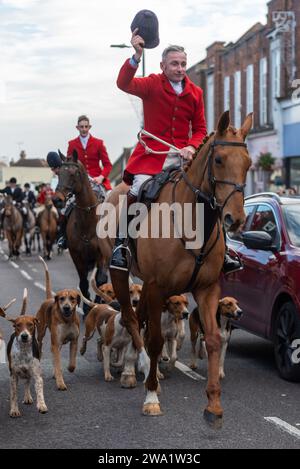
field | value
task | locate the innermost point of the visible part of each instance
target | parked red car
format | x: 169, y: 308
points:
x: 268, y: 288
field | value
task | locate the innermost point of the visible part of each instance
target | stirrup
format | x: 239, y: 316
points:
x: 119, y: 259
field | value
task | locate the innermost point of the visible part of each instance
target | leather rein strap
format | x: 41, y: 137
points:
x: 213, y: 210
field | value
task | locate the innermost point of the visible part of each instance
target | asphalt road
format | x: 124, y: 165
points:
x: 96, y: 414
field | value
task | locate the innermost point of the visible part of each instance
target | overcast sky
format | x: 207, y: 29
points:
x: 56, y: 63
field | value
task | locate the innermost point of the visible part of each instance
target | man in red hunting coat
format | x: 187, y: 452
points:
x: 173, y: 111
x: 91, y: 152
x: 93, y: 155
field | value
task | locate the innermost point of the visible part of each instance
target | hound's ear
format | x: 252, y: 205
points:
x: 185, y: 299
x: 2, y: 313
x: 75, y: 156
x: 36, y: 321
x: 78, y: 299
x: 12, y: 320
x: 56, y: 299
x: 223, y: 123
x: 247, y: 125
x: 62, y: 156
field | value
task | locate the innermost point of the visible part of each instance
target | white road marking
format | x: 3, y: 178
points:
x: 39, y: 285
x: 284, y: 426
x: 34, y: 270
x: 6, y: 257
x: 14, y: 264
x: 26, y: 275
x: 188, y: 372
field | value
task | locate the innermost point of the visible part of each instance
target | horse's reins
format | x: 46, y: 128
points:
x: 70, y: 194
x: 202, y: 197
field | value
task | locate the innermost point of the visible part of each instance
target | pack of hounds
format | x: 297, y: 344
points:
x: 58, y: 313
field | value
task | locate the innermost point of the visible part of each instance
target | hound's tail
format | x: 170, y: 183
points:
x: 107, y: 299
x: 48, y: 281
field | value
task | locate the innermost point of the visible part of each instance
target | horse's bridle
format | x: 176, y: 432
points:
x: 70, y: 189
x: 211, y: 198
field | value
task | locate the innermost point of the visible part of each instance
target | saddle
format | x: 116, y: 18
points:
x: 151, y: 188
x: 148, y: 193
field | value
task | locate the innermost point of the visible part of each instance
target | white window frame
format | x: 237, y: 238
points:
x: 237, y: 99
x: 263, y: 92
x: 275, y: 55
x: 249, y: 84
x: 227, y: 93
x: 210, y: 107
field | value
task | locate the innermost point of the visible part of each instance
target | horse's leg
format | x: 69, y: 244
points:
x: 155, y: 343
x: 120, y: 284
x: 26, y: 243
x: 82, y: 270
x: 10, y: 243
x: 208, y: 304
x: 18, y: 242
x: 101, y: 278
x: 44, y: 238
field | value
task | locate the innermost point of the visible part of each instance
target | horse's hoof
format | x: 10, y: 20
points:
x: 213, y: 421
x: 152, y: 409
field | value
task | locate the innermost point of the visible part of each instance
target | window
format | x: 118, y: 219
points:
x: 263, y: 91
x: 249, y: 106
x: 226, y: 93
x: 238, y: 235
x: 292, y: 220
x: 237, y: 99
x: 264, y: 220
x: 275, y: 57
x: 210, y: 121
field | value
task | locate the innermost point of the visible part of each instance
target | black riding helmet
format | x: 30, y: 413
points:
x: 54, y: 160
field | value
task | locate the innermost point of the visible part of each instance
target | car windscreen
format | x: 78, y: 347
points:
x: 292, y: 220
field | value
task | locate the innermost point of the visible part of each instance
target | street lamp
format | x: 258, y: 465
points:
x: 123, y: 46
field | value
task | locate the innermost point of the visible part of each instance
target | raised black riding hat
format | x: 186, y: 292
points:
x: 147, y: 23
x: 53, y: 159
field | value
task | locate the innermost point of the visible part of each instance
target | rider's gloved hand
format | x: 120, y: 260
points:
x: 98, y: 179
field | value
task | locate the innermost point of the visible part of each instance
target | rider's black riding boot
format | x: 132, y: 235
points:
x: 120, y: 250
x: 62, y: 234
x: 231, y: 264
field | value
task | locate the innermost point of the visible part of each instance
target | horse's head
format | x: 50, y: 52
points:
x: 70, y: 176
x: 8, y: 206
x: 48, y: 202
x: 227, y: 166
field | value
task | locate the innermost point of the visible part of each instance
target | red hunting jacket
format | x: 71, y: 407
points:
x: 91, y: 157
x: 177, y: 119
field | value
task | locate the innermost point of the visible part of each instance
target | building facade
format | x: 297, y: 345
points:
x: 258, y: 74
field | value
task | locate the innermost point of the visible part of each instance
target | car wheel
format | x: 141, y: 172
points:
x: 287, y: 329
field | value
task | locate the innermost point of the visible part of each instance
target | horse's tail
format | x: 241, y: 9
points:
x: 48, y: 281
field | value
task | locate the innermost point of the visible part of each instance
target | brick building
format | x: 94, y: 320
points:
x: 257, y: 74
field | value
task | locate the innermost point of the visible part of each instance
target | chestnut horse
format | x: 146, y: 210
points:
x: 81, y: 228
x: 47, y: 222
x: 29, y: 231
x: 12, y: 226
x: 216, y: 177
